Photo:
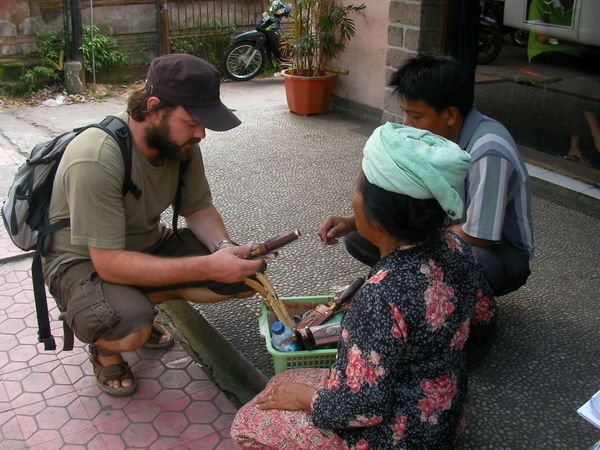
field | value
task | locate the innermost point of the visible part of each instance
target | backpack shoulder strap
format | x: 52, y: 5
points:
x: 116, y: 128
x: 41, y: 305
x: 183, y: 166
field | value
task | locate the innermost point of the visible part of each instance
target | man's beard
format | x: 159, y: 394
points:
x: 159, y: 138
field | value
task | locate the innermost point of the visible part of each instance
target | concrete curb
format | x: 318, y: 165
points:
x: 226, y: 366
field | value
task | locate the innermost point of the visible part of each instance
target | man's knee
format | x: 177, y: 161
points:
x: 361, y: 249
x: 505, y: 267
x: 491, y: 265
x: 110, y: 312
x: 136, y: 339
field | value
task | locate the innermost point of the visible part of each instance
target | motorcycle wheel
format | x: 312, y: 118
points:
x: 490, y: 44
x: 520, y: 37
x: 242, y: 61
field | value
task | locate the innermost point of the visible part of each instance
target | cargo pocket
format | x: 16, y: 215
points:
x: 89, y: 315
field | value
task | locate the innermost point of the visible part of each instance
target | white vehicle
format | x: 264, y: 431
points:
x: 582, y: 26
x: 579, y: 20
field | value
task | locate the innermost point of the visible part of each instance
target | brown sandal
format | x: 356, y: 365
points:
x: 158, y: 331
x: 115, y: 372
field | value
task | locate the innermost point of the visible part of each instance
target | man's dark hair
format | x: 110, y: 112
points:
x: 408, y: 219
x: 440, y: 81
x: 136, y: 104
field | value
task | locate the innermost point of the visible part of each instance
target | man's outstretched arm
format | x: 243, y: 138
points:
x: 140, y: 269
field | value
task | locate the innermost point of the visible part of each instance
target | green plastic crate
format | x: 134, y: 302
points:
x: 303, y: 358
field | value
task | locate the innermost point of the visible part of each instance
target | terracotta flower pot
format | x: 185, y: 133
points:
x: 309, y: 95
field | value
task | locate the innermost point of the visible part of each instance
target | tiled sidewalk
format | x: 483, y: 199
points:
x: 49, y: 400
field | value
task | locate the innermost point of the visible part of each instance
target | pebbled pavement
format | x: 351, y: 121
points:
x: 277, y: 172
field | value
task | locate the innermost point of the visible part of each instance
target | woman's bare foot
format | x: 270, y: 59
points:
x: 594, y: 125
x: 575, y: 154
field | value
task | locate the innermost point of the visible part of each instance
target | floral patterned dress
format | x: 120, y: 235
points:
x: 399, y: 380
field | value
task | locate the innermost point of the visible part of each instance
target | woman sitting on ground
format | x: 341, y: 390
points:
x: 400, y: 377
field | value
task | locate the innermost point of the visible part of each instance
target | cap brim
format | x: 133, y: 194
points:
x: 215, y: 117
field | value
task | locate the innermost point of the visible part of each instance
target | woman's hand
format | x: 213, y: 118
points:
x: 286, y: 395
x: 334, y: 227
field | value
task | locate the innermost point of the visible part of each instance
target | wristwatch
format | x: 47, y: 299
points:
x: 222, y: 243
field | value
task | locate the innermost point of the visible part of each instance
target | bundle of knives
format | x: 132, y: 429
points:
x: 311, y: 332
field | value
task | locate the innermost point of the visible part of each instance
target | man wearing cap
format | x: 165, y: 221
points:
x: 117, y: 260
x: 436, y: 94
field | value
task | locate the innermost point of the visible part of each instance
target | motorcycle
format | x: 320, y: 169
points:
x: 495, y: 10
x: 250, y: 51
x: 490, y: 40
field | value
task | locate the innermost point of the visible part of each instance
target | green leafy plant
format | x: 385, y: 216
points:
x: 51, y: 53
x: 51, y: 49
x: 321, y: 31
x: 100, y: 50
x: 36, y: 78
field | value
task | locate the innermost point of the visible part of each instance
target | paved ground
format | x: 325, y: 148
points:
x: 277, y: 172
x: 49, y: 400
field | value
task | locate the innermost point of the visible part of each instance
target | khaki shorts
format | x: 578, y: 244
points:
x: 96, y: 309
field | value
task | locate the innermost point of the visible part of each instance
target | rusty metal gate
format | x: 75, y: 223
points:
x: 184, y: 19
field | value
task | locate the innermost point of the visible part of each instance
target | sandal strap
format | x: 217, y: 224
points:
x: 114, y: 372
x: 157, y: 332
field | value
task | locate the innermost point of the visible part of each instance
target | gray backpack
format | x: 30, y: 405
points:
x: 25, y: 209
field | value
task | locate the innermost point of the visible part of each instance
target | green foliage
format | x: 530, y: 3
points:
x: 36, y: 78
x: 321, y: 31
x: 210, y: 46
x: 270, y: 68
x: 51, y: 49
x: 102, y: 48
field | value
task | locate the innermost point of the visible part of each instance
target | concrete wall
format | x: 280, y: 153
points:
x: 365, y: 56
x: 16, y: 27
x: 415, y: 26
x: 389, y: 32
x: 132, y: 22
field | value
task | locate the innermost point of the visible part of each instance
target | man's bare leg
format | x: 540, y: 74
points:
x: 194, y: 295
x: 109, y: 352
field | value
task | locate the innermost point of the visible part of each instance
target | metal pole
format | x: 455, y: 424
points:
x: 92, y: 41
x: 77, y: 30
x: 164, y: 14
x: 162, y: 27
x: 67, y: 29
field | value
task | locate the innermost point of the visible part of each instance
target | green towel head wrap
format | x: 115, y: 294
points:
x: 416, y: 163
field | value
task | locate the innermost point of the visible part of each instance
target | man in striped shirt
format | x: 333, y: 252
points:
x: 436, y: 94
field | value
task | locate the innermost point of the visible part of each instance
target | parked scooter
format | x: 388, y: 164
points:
x: 490, y: 40
x: 250, y: 51
x: 495, y: 10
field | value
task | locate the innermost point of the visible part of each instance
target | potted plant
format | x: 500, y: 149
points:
x: 321, y: 30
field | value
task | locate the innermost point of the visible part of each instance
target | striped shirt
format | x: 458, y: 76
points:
x: 497, y: 190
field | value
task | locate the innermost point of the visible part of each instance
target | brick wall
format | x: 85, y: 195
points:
x: 415, y: 26
x: 132, y: 22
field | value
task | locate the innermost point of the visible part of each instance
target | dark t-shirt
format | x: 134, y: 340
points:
x: 400, y: 376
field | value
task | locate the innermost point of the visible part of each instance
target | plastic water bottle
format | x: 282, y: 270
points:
x: 279, y: 333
